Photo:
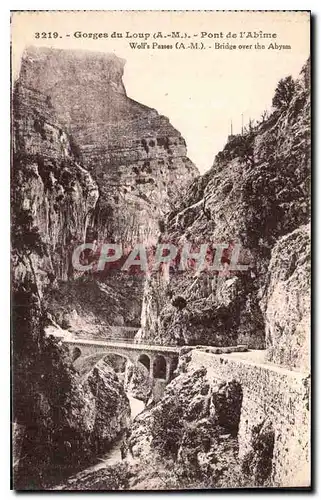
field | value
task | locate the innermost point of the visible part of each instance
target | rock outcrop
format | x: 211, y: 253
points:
x: 224, y: 421
x: 66, y: 421
x: 256, y: 193
x: 286, y: 302
x: 194, y: 428
x: 91, y: 165
x: 109, y: 414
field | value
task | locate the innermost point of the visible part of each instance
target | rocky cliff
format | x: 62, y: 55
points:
x: 51, y: 191
x: 257, y: 195
x: 64, y: 421
x: 238, y: 419
x: 225, y: 421
x: 96, y: 166
x: 234, y: 419
x: 91, y: 164
x: 88, y: 163
x: 286, y: 302
x: 63, y: 424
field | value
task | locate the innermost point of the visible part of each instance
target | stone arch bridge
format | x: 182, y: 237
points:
x: 159, y: 360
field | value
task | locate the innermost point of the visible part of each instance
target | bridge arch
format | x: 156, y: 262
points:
x: 159, y: 361
x: 116, y: 360
x: 145, y: 361
x: 160, y: 367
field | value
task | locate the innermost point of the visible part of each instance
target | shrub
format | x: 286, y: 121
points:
x: 284, y: 93
x: 179, y: 302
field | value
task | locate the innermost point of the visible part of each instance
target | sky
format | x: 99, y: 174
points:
x: 202, y: 91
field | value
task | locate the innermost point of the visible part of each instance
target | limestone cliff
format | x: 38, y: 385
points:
x: 89, y: 163
x: 255, y: 194
x: 136, y: 156
x: 225, y: 421
x: 64, y: 421
x: 95, y: 166
x: 238, y: 419
x: 286, y: 301
x: 51, y: 191
x: 64, y: 424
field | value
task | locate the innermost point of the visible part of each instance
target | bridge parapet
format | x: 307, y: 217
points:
x: 159, y: 360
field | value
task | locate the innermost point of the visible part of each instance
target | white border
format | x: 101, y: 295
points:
x: 314, y: 6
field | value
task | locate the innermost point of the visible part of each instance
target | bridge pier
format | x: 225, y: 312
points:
x: 151, y: 367
x: 168, y: 369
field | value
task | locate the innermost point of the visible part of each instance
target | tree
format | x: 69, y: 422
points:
x: 284, y: 93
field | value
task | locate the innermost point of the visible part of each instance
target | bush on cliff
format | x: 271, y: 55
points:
x: 284, y: 93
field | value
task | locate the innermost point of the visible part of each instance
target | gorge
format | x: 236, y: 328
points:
x: 230, y: 407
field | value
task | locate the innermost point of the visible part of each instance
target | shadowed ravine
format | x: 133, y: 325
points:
x: 112, y: 456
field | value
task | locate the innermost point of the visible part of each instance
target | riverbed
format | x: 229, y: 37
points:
x: 113, y: 455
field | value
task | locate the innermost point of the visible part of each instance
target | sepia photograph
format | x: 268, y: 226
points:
x: 160, y: 250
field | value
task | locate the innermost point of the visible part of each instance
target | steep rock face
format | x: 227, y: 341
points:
x: 91, y: 165
x: 53, y: 198
x: 286, y: 302
x: 97, y: 307
x: 108, y: 414
x: 211, y: 315
x: 258, y: 187
x: 138, y: 382
x: 225, y: 421
x: 64, y: 423
x: 72, y: 137
x: 137, y: 157
x: 193, y: 428
x: 256, y: 192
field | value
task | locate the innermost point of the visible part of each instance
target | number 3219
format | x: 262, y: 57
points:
x: 47, y: 34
